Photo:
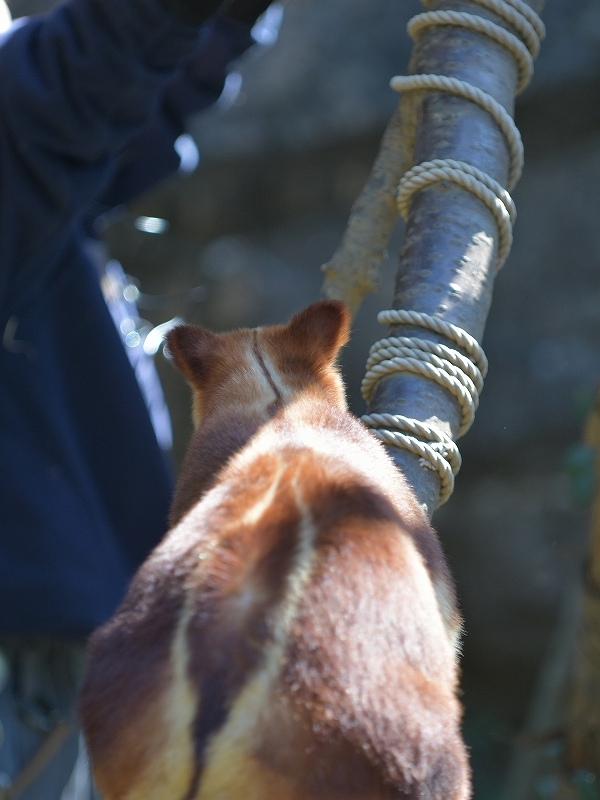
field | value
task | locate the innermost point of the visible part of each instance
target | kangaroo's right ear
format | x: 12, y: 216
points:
x: 320, y: 330
x: 192, y: 349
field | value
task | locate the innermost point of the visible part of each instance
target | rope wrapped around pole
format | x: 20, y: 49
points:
x: 423, y: 380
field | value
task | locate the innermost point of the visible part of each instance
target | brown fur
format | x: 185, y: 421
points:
x: 293, y: 636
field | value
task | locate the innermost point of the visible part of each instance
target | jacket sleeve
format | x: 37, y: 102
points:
x: 201, y: 76
x: 150, y: 157
x: 75, y: 86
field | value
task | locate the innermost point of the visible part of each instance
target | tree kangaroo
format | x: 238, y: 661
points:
x: 293, y: 637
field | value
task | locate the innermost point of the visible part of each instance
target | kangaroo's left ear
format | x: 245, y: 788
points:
x: 320, y: 330
x: 192, y: 348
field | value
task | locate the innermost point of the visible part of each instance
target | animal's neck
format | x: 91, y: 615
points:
x: 221, y: 435
x: 315, y: 408
x: 210, y: 448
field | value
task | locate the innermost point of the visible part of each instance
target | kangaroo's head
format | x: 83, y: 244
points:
x: 257, y: 371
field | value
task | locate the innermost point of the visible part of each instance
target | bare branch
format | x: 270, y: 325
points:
x: 355, y: 267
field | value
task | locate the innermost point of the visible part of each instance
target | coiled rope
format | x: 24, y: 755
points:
x: 438, y: 451
x: 489, y: 191
x: 460, y: 374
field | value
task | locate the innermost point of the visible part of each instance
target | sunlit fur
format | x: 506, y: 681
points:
x: 293, y: 636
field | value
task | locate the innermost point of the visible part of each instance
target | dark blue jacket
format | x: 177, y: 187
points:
x: 84, y: 488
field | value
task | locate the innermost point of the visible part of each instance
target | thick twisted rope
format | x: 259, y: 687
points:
x: 437, y: 451
x: 489, y: 191
x: 442, y: 83
x: 520, y: 16
x: 531, y: 29
x: 460, y: 19
x: 460, y: 374
x: 438, y: 325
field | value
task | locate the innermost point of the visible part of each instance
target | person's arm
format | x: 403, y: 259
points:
x: 75, y: 86
x: 150, y: 157
x: 200, y: 79
x: 196, y: 85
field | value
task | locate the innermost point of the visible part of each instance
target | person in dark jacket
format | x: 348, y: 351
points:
x: 85, y: 92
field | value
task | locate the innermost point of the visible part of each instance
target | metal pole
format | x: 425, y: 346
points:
x: 448, y: 257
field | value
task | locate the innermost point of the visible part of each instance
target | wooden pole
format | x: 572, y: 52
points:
x: 447, y: 260
x: 355, y: 268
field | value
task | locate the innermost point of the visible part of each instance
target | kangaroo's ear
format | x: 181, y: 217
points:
x: 320, y: 330
x: 192, y: 349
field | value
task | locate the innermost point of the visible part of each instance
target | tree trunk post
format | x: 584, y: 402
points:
x: 448, y: 257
